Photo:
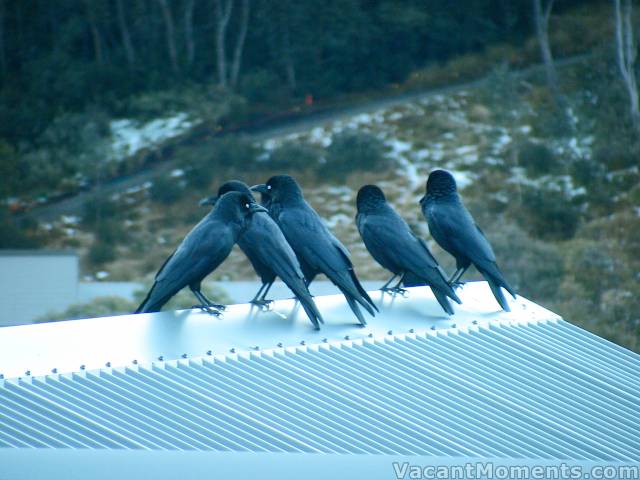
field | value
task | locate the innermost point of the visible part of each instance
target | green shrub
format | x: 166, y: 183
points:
x: 166, y: 190
x: 351, y: 151
x: 101, y: 252
x: 98, y: 307
x: 548, y: 213
x: 97, y: 209
x: 294, y: 155
x: 537, y: 159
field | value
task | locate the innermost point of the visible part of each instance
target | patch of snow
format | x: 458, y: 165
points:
x: 178, y: 172
x: 320, y: 136
x: 339, y: 218
x: 525, y: 129
x: 102, y: 274
x: 69, y: 219
x: 395, y: 116
x: 69, y: 232
x: 398, y: 146
x: 128, y: 136
x: 462, y: 178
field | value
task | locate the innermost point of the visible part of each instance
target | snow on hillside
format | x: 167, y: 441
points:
x: 130, y: 136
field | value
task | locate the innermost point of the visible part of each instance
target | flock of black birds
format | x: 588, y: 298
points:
x: 283, y: 236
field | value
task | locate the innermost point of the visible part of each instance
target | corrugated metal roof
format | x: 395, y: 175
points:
x: 539, y: 389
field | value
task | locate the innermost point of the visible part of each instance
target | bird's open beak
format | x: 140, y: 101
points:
x: 209, y: 201
x: 260, y: 188
x: 255, y: 208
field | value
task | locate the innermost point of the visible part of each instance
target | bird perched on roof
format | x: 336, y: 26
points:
x: 455, y: 230
x: 205, y: 247
x: 270, y: 255
x: 317, y: 249
x: 393, y: 245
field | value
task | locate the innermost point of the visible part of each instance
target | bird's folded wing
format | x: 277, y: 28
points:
x: 456, y: 226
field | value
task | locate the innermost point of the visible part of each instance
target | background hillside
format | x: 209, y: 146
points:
x: 93, y: 91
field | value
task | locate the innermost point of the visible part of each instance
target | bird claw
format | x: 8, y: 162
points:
x: 210, y: 309
x: 456, y: 285
x: 264, y: 305
x: 218, y: 306
x: 395, y: 291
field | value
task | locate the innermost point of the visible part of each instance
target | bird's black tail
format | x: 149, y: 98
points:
x: 443, y: 301
x: 151, y: 304
x: 440, y: 288
x: 497, y: 282
x: 306, y: 300
x: 354, y: 306
x: 369, y: 305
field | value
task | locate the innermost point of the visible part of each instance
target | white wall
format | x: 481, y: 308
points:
x: 33, y: 283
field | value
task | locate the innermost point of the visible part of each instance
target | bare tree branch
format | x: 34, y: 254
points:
x: 237, y: 53
x: 626, y: 56
x: 171, y: 42
x: 223, y: 14
x: 126, y: 37
x: 188, y: 31
x: 542, y: 31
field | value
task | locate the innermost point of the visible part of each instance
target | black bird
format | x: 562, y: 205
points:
x: 270, y: 255
x: 204, y: 248
x: 317, y: 249
x: 455, y: 230
x: 393, y: 245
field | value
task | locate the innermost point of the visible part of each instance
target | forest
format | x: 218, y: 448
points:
x: 539, y: 119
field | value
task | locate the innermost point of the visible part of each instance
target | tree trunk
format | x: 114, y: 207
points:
x: 542, y: 31
x: 3, y: 56
x: 237, y: 53
x: 171, y: 41
x: 126, y: 36
x: 289, y: 66
x: 223, y: 13
x: 188, y: 31
x: 626, y: 56
x: 98, y: 47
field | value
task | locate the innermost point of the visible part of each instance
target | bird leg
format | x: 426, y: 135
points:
x: 208, y: 303
x: 397, y: 289
x: 260, y: 300
x: 385, y: 287
x: 454, y: 281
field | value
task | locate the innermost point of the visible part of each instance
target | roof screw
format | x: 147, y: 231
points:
x: 303, y: 342
x: 257, y: 347
x: 370, y: 335
x: 453, y: 325
x: 324, y: 340
x: 108, y: 364
x: 390, y: 332
x: 54, y: 370
x: 161, y: 358
x: 135, y: 362
x: 184, y: 355
x: 279, y: 344
x: 475, y: 322
x: 27, y: 373
x: 433, y: 327
x: 233, y: 350
x: 346, y: 337
x: 1, y: 375
x: 209, y: 352
x: 82, y: 367
x: 411, y: 330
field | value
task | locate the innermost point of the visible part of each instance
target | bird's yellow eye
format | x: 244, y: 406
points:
x: 246, y: 205
x: 268, y: 187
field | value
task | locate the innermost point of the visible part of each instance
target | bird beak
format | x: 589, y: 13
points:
x: 260, y: 188
x: 255, y: 208
x: 208, y: 201
x: 424, y: 197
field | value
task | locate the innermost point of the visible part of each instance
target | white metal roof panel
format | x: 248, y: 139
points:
x: 520, y: 385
